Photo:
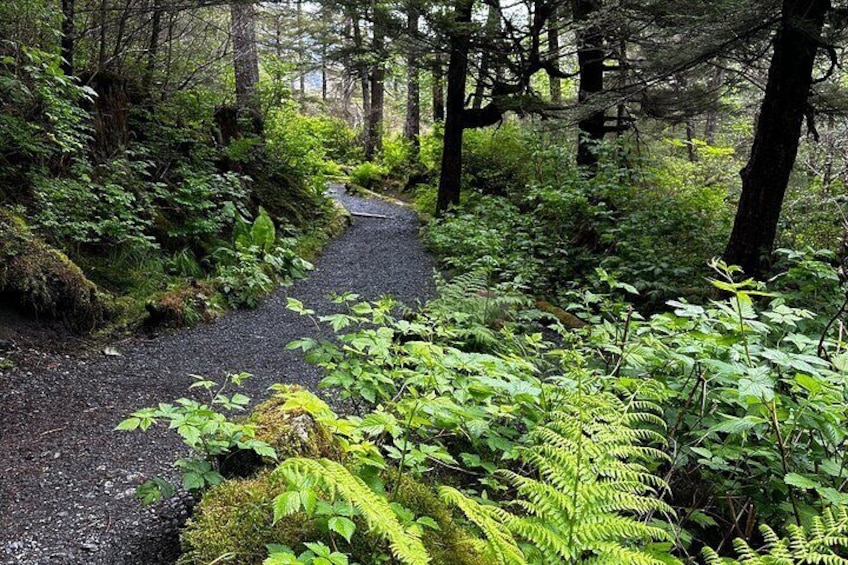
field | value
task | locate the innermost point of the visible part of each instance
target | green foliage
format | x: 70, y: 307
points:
x: 368, y: 175
x: 593, y: 476
x: 296, y: 141
x: 335, y: 480
x: 40, y: 115
x: 554, y: 232
x: 203, y: 427
x: 823, y: 542
x: 497, y: 162
x: 107, y: 205
x: 256, y: 262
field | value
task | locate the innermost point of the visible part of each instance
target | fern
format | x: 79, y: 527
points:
x: 335, y: 479
x: 590, y: 485
x: 823, y: 543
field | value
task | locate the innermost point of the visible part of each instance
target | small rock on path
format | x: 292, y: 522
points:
x: 67, y: 479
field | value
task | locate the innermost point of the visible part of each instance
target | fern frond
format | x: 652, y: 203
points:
x: 491, y: 521
x: 336, y: 479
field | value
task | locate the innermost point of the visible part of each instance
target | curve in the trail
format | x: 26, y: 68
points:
x: 66, y: 478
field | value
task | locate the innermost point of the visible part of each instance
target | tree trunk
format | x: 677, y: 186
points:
x: 412, y: 127
x: 101, y: 54
x: 153, y: 46
x: 67, y: 46
x: 438, y: 91
x: 766, y: 176
x: 590, y: 59
x: 301, y: 55
x: 553, y: 55
x: 374, y: 140
x: 245, y: 58
x: 451, y: 176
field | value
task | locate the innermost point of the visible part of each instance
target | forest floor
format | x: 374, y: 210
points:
x: 67, y: 479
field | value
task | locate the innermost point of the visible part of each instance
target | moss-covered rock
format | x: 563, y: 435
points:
x: 182, y: 306
x: 292, y: 432
x: 236, y: 518
x: 43, y: 281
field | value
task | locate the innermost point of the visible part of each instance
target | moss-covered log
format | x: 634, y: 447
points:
x: 43, y: 281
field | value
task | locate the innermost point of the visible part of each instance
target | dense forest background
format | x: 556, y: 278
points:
x: 637, y: 351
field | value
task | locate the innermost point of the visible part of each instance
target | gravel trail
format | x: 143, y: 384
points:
x: 66, y: 479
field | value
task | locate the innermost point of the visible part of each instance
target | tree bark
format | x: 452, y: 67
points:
x: 153, y: 45
x: 374, y: 140
x: 412, y: 127
x: 590, y: 59
x: 68, y: 36
x: 245, y: 57
x: 766, y: 176
x: 451, y: 175
x: 553, y: 56
x: 438, y: 91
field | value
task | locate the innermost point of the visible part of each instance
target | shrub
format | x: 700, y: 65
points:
x: 368, y: 175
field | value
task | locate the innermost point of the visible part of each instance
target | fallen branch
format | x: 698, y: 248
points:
x: 366, y: 215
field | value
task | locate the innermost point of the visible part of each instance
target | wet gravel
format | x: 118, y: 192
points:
x: 67, y: 479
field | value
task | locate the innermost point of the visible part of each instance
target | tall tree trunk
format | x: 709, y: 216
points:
x: 245, y: 57
x: 412, y: 127
x: 374, y: 141
x: 451, y: 175
x: 553, y: 55
x: 301, y: 55
x: 438, y: 91
x: 590, y: 58
x: 68, y: 36
x: 766, y: 176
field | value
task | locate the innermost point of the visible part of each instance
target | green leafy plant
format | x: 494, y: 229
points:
x: 825, y: 541
x: 206, y: 429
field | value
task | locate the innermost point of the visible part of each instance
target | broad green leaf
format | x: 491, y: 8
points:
x: 796, y: 480
x: 342, y: 526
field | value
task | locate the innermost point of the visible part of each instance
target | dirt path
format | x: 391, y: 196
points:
x: 66, y: 479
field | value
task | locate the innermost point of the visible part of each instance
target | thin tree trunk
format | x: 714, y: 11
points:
x: 438, y: 91
x: 68, y: 36
x: 451, y: 175
x: 553, y: 54
x: 153, y: 46
x: 101, y: 56
x: 412, y: 127
x: 301, y: 59
x: 590, y: 58
x: 766, y: 176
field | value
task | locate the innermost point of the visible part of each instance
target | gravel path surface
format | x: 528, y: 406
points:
x: 67, y: 480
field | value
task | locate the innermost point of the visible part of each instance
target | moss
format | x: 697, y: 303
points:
x: 292, y: 432
x: 43, y: 281
x: 451, y: 543
x: 182, y: 306
x: 236, y: 518
x: 567, y: 319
